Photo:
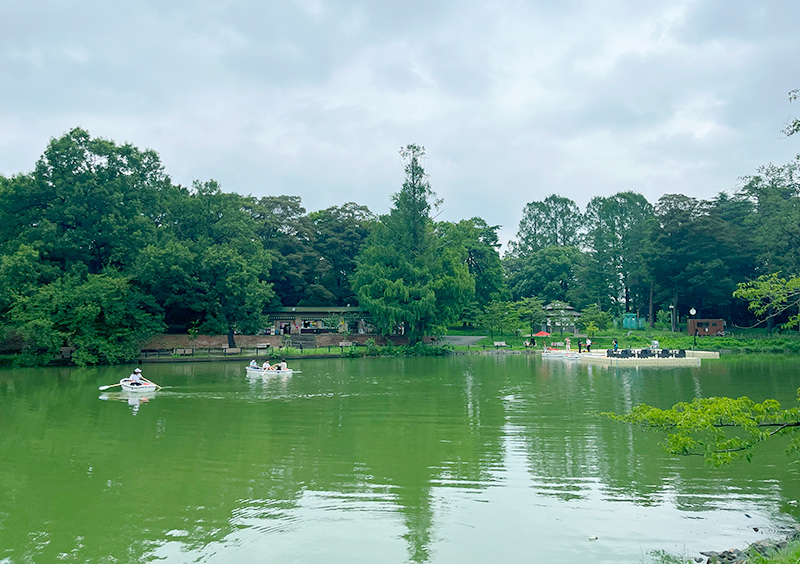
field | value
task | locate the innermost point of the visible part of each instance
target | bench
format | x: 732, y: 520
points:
x: 147, y: 353
x: 263, y: 346
x: 183, y: 352
x: 345, y: 344
x: 498, y: 344
x: 231, y: 350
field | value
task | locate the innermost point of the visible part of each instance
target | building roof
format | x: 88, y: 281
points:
x: 315, y: 309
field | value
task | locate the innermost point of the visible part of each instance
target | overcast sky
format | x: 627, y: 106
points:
x: 513, y: 100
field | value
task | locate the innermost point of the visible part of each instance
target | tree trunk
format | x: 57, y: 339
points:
x: 231, y: 340
x: 652, y: 319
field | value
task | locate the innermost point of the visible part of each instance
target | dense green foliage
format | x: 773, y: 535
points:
x: 99, y: 250
x: 625, y: 255
x: 418, y: 349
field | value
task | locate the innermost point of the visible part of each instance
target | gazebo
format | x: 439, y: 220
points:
x: 561, y: 317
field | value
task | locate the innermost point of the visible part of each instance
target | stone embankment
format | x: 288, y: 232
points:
x: 765, y: 547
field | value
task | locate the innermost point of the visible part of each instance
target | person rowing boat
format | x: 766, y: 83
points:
x: 136, y: 378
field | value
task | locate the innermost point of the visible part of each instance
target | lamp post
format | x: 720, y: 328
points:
x: 672, y: 317
x: 693, y: 312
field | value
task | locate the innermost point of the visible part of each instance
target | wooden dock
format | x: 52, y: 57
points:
x: 692, y: 358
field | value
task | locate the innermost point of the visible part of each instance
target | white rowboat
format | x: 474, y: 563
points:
x: 130, y: 386
x: 557, y: 353
x: 258, y: 371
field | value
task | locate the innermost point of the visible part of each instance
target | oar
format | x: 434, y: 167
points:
x: 150, y: 381
x: 110, y: 386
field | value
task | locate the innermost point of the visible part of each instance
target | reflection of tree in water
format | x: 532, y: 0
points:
x: 191, y: 475
x: 422, y: 433
x: 406, y: 435
x: 418, y: 513
x: 569, y: 451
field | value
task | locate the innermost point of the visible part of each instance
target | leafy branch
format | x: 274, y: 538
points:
x: 792, y: 126
x: 720, y: 429
x: 770, y: 296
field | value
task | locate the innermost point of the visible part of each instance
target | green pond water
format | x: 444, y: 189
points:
x: 493, y: 458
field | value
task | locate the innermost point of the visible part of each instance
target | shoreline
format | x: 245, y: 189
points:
x: 692, y: 357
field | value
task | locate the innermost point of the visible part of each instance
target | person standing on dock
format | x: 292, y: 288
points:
x: 588, y: 344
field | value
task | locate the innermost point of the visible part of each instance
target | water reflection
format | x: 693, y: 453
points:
x: 418, y: 460
x: 133, y: 399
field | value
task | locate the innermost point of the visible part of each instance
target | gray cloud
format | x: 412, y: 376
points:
x: 514, y: 100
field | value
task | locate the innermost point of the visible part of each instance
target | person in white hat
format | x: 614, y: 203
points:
x: 136, y: 377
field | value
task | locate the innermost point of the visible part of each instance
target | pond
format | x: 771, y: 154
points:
x: 427, y: 460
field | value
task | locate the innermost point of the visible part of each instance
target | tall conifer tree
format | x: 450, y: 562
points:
x: 407, y: 278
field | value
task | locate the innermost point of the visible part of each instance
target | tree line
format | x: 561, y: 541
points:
x: 100, y: 250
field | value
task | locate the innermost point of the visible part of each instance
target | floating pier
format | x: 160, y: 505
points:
x: 688, y: 358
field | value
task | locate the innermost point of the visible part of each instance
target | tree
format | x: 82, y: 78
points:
x: 479, y: 246
x: 592, y: 315
x: 771, y: 296
x: 69, y: 234
x: 88, y: 202
x: 554, y: 222
x: 731, y: 220
x: 774, y: 193
x: 286, y: 233
x: 672, y: 247
x: 338, y: 234
x: 690, y: 254
x: 551, y: 274
x: 21, y: 274
x: 170, y: 273
x: 530, y: 311
x: 211, y: 269
x: 497, y: 317
x: 103, y: 316
x: 617, y: 227
x: 720, y: 429
x: 236, y: 291
x: 407, y: 277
